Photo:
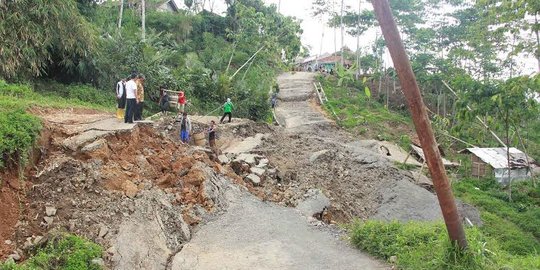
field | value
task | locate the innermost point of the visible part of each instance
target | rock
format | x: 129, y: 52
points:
x: 48, y: 220
x: 257, y: 171
x: 38, y: 240
x: 28, y: 243
x: 263, y: 163
x: 315, y: 203
x: 392, y: 259
x: 98, y: 261
x: 15, y: 256
x: 103, y: 230
x: 223, y: 159
x: 8, y: 242
x: 130, y: 189
x: 316, y: 155
x: 94, y: 146
x: 254, y: 179
x: 50, y: 211
x: 247, y: 158
x: 184, y: 230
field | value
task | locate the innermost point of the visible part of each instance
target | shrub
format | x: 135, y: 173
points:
x: 18, y: 132
x: 423, y: 245
x: 62, y: 251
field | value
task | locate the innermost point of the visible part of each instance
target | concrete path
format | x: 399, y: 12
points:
x: 293, y: 111
x: 257, y: 235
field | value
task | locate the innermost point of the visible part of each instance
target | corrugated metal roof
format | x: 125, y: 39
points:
x: 496, y: 157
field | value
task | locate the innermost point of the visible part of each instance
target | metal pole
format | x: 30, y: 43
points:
x: 421, y: 122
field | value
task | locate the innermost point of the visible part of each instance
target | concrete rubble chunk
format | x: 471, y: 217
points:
x: 223, y: 159
x: 314, y: 203
x: 316, y: 155
x: 258, y: 171
x: 48, y: 220
x: 254, y: 179
x: 94, y: 145
x: 50, y: 211
x: 247, y: 158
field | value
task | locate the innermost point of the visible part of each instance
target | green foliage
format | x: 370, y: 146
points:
x: 421, y: 245
x: 45, y: 31
x: 356, y: 111
x: 62, y: 251
x: 19, y: 129
x: 515, y: 224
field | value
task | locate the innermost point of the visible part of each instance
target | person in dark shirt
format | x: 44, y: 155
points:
x: 212, y: 136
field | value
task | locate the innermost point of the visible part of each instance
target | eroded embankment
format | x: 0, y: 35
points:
x: 133, y: 189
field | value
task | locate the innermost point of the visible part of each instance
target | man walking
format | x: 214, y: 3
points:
x: 139, y: 97
x: 121, y: 99
x: 131, y: 99
x: 227, y: 109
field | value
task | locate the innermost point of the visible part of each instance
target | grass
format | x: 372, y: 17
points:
x: 509, y: 238
x: 62, y: 251
x: 362, y: 115
x: 516, y: 224
x: 19, y: 129
x: 423, y: 245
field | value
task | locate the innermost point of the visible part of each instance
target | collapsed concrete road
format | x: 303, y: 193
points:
x: 256, y: 235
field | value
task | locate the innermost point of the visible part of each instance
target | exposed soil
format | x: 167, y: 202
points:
x: 93, y: 186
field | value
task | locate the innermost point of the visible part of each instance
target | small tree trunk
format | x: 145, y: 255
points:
x: 143, y: 11
x: 358, y: 41
x: 507, y: 124
x: 536, y: 29
x: 121, y: 14
x: 342, y: 31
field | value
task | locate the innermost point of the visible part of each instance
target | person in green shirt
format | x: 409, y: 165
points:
x: 227, y: 109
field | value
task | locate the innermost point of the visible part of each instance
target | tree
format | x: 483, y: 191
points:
x: 45, y: 31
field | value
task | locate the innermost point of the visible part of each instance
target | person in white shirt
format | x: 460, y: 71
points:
x: 121, y: 99
x: 131, y: 92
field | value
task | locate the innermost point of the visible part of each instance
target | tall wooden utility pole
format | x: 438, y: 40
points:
x: 143, y: 10
x: 421, y: 122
